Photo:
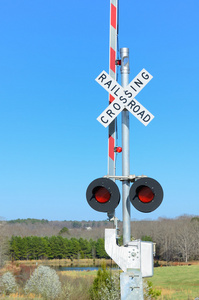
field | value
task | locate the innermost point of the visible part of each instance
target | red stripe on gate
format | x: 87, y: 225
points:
x: 112, y: 67
x: 111, y: 98
x: 111, y: 147
x: 112, y: 59
x: 113, y: 15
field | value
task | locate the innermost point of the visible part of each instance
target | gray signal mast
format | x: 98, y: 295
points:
x: 131, y: 280
x: 125, y: 70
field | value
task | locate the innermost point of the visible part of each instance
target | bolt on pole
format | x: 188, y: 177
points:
x: 125, y: 70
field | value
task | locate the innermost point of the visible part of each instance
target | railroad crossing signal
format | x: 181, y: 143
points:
x: 135, y: 258
x: 103, y: 195
x: 146, y: 194
x: 124, y: 98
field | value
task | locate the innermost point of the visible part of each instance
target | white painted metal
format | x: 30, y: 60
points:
x: 124, y: 257
x: 124, y: 98
x: 135, y: 255
x: 112, y: 73
x: 147, y: 259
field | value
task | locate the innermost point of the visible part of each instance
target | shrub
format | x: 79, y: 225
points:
x: 7, y: 283
x: 149, y: 292
x: 105, y: 286
x: 45, y: 282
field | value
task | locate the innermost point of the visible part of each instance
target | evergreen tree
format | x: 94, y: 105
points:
x: 100, y: 251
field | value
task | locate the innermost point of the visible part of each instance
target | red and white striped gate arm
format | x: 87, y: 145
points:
x: 112, y: 73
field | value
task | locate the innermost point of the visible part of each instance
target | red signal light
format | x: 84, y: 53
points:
x: 145, y: 194
x: 101, y: 194
x: 118, y: 149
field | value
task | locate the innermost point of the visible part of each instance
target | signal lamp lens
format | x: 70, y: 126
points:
x: 119, y: 149
x: 101, y: 194
x: 145, y: 194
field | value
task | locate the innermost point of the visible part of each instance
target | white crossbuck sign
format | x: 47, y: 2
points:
x: 124, y: 98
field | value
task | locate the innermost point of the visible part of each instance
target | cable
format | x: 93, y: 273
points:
x: 118, y: 52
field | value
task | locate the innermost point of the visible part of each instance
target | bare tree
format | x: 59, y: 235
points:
x: 185, y: 239
x: 4, y: 244
x: 195, y: 230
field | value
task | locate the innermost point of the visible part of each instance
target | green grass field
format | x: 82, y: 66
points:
x: 177, y: 282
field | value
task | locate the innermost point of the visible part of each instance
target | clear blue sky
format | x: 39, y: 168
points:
x: 52, y: 146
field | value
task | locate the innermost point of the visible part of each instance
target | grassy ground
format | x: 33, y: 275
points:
x: 176, y: 283
x: 19, y: 297
x: 65, y: 262
x: 75, y: 274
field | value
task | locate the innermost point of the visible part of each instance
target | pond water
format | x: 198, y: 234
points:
x: 82, y: 268
x: 77, y: 268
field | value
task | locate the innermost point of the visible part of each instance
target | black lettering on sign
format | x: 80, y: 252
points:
x: 132, y: 103
x: 102, y: 119
x: 127, y: 93
x: 115, y: 93
x: 146, y: 118
x: 116, y: 106
x: 113, y: 87
x: 110, y: 113
x: 146, y: 76
x: 102, y: 77
x: 141, y: 114
x: 136, y: 108
x: 108, y: 83
x: 124, y: 100
x: 138, y: 82
x: 133, y: 88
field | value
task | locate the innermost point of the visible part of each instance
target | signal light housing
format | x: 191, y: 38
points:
x: 146, y: 194
x: 103, y: 195
x: 118, y: 62
x: 118, y: 149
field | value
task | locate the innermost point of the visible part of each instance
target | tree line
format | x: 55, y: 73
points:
x: 69, y: 224
x: 28, y: 221
x: 176, y: 240
x: 55, y: 247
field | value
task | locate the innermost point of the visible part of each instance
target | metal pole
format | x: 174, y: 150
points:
x: 125, y: 70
